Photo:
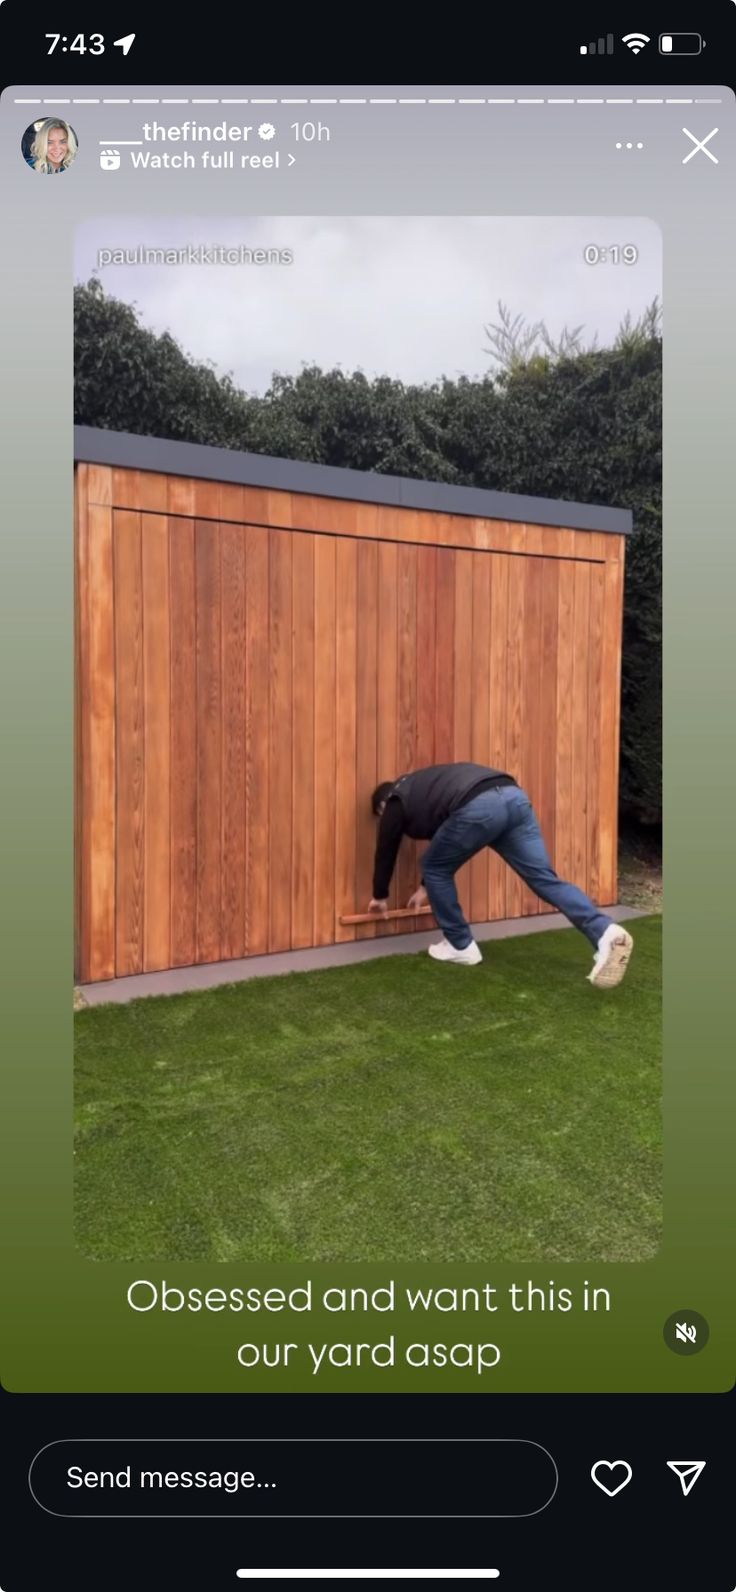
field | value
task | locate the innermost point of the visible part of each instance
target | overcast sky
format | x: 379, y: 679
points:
x: 403, y: 296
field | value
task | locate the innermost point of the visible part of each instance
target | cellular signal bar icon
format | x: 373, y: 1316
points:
x: 603, y: 47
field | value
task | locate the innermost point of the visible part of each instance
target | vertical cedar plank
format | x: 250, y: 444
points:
x: 407, y: 869
x: 151, y: 490
x: 274, y: 508
x: 563, y: 856
x: 183, y: 744
x: 180, y: 496
x: 257, y: 760
x: 388, y: 676
x: 232, y: 504
x: 206, y: 500
x: 617, y: 702
x: 209, y: 739
x: 610, y: 709
x: 124, y: 490
x: 98, y: 748
x: 515, y: 672
x: 426, y: 669
x: 480, y: 714
x: 99, y: 485
x: 548, y: 705
x: 463, y: 689
x: 281, y: 741
x: 324, y: 740
x: 595, y: 655
x: 534, y: 540
x: 497, y: 870
x: 444, y: 661
x: 532, y: 683
x: 580, y: 686
x: 157, y: 743
x: 426, y: 655
x: 232, y: 551
x: 444, y: 689
x: 367, y: 728
x: 130, y: 747
x: 303, y: 798
x: 345, y: 727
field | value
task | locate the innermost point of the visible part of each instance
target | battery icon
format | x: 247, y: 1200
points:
x: 681, y: 43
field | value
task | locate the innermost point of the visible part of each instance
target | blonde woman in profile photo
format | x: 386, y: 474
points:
x: 53, y: 146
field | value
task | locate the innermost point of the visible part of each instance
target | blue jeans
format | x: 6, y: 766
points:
x: 504, y: 819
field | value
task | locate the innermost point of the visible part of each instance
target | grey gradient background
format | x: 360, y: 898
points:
x: 65, y: 1322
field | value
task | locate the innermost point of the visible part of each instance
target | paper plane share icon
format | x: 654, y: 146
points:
x: 688, y: 1471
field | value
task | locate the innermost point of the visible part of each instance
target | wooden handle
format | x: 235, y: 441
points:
x: 385, y: 917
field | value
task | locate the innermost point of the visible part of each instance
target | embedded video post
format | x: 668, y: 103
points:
x: 368, y: 658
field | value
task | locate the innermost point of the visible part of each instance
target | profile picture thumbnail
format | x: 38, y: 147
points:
x: 49, y: 145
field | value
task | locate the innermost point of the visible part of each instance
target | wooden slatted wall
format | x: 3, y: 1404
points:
x: 251, y: 663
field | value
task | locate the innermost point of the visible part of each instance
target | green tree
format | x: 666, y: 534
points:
x: 129, y: 379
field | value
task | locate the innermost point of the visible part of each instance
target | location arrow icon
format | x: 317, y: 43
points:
x: 124, y: 44
x: 688, y: 1471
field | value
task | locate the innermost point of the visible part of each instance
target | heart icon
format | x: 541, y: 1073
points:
x: 606, y: 1483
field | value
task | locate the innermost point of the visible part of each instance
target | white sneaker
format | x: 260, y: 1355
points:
x: 612, y: 957
x: 443, y: 951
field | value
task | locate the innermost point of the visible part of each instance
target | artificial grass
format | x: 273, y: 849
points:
x: 396, y: 1110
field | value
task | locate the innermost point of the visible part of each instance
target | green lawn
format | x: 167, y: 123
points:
x: 397, y: 1110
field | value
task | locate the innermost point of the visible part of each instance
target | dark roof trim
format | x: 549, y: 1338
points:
x: 124, y: 450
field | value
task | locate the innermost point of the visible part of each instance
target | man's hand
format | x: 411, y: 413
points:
x: 419, y: 899
x: 378, y: 906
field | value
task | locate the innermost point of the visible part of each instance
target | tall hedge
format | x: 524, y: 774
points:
x: 585, y: 427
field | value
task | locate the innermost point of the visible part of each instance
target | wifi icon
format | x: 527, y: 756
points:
x: 635, y: 41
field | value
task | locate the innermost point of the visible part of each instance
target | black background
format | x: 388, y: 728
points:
x: 648, y: 1537
x: 272, y: 45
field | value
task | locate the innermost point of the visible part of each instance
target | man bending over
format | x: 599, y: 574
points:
x: 460, y: 808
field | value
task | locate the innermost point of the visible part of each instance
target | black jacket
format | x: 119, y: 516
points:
x: 419, y: 803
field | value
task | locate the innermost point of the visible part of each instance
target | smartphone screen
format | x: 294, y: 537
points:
x: 367, y: 616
